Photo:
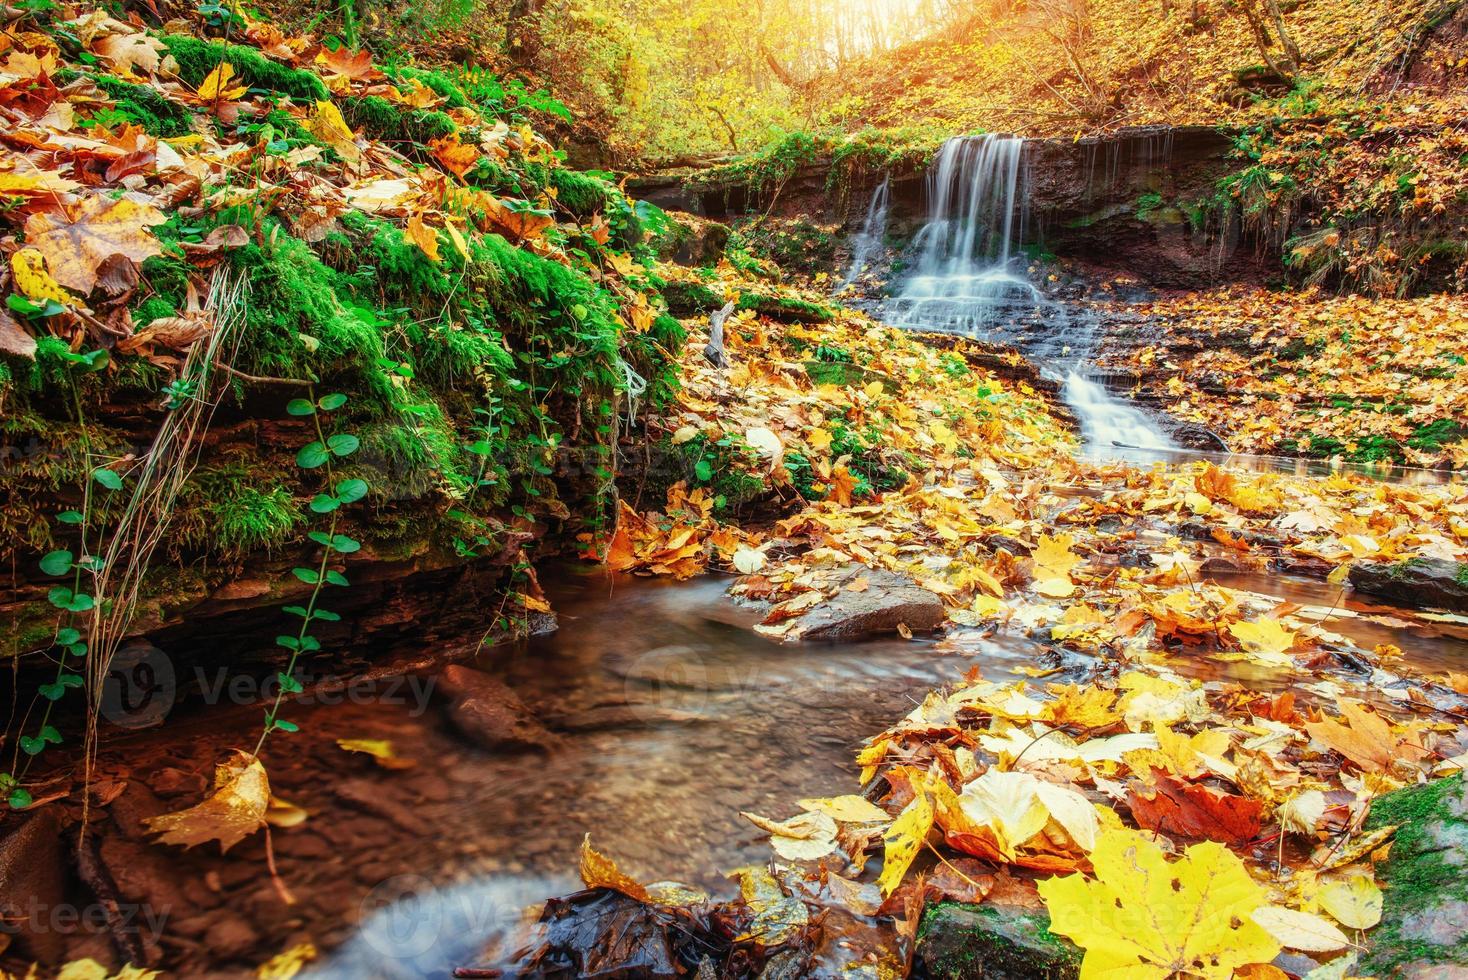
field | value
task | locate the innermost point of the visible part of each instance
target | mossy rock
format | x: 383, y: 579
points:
x: 846, y: 375
x: 786, y: 309
x: 1425, y: 879
x: 993, y: 942
x: 687, y: 299
x: 197, y: 58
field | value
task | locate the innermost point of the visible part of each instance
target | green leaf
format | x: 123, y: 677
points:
x: 324, y: 503
x: 326, y: 615
x: 70, y: 680
x: 321, y: 538
x: 67, y: 636
x: 481, y: 448
x: 307, y: 575
x: 289, y: 684
x: 345, y: 544
x: 77, y: 649
x: 52, y: 692
x: 70, y: 517
x: 351, y: 491
x: 56, y: 562
x: 289, y: 642
x: 63, y: 598
x: 107, y: 478
x: 296, y: 611
x: 343, y: 444
x: 300, y: 406
x: 32, y: 745
x: 283, y: 725
x: 312, y: 455
x: 336, y: 578
x: 309, y: 644
x: 332, y: 402
x: 703, y: 471
x: 19, y: 799
x: 50, y: 734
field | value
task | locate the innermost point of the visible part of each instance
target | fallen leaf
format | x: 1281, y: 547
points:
x: 78, y: 240
x: 234, y: 811
x: 1304, y: 931
x: 600, y: 871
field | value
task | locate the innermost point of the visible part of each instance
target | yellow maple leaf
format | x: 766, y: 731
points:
x: 33, y: 281
x: 1146, y: 917
x: 424, y: 237
x: 1266, y: 638
x: 902, y: 841
x: 216, y: 85
x: 327, y: 125
x: 1053, y: 558
x: 234, y: 811
x: 285, y: 966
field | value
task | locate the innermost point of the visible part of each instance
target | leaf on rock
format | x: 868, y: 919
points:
x: 1146, y: 917
x: 600, y: 871
x: 1304, y: 931
x: 1354, y: 901
x: 234, y: 811
x: 78, y: 240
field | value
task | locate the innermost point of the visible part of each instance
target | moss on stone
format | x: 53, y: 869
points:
x: 149, y: 108
x: 197, y: 58
x: 580, y: 193
x: 1426, y: 868
x: 387, y: 121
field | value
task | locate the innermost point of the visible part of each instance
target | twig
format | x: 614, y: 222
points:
x: 258, y: 380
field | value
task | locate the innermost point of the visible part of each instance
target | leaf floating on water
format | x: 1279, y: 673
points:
x: 600, y: 871
x: 284, y: 966
x: 380, y: 749
x: 234, y: 811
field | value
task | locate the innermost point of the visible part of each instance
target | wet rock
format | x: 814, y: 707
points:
x: 32, y: 884
x: 231, y: 938
x: 486, y: 711
x: 993, y: 942
x: 889, y: 600
x: 1417, y: 583
x: 1424, y: 924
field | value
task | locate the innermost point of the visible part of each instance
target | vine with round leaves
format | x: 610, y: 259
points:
x: 317, y: 454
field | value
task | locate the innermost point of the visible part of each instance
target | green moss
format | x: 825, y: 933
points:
x: 580, y: 193
x: 686, y: 299
x: 1422, y: 871
x: 386, y: 121
x: 786, y: 308
x: 197, y: 58
x: 439, y: 83
x: 149, y: 108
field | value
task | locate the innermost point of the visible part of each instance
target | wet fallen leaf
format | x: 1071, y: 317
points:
x: 77, y: 240
x: 380, y: 749
x: 233, y: 811
x: 600, y: 871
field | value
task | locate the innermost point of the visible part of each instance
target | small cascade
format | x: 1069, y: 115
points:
x: 969, y: 277
x: 872, y: 237
x: 966, y: 274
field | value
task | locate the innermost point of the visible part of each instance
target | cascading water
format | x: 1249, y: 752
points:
x: 969, y: 277
x: 872, y: 237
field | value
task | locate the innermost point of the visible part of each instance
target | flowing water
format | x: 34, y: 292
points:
x: 969, y: 277
x: 871, y: 238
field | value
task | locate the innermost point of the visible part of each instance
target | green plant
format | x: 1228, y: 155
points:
x: 317, y: 454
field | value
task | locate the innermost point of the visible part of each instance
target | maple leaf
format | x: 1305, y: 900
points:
x: 902, y: 841
x: 234, y: 811
x: 28, y: 268
x: 355, y: 65
x: 326, y: 124
x: 78, y: 240
x: 1366, y: 739
x: 600, y: 871
x: 424, y: 237
x: 457, y: 158
x: 1053, y: 558
x: 1194, y: 810
x: 1266, y: 639
x: 1145, y: 917
x: 216, y: 85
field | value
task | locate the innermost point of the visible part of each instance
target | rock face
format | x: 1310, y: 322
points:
x: 889, y: 600
x: 486, y: 711
x: 1139, y: 202
x: 1424, y: 926
x: 1417, y: 583
x: 33, y: 883
x: 993, y: 942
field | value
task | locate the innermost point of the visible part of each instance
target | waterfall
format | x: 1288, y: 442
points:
x: 969, y: 277
x: 966, y: 273
x: 872, y: 237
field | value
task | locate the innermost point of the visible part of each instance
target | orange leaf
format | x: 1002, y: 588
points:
x: 1193, y: 810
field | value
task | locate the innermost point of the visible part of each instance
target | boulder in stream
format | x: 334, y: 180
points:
x: 993, y: 942
x: 1424, y: 925
x: 1417, y: 583
x: 485, y: 710
x: 889, y: 600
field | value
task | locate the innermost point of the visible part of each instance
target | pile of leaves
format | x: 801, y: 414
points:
x: 1300, y: 374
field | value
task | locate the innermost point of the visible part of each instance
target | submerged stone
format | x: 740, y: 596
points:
x: 993, y: 942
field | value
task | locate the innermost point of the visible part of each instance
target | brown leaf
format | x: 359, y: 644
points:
x: 1366, y: 739
x: 14, y: 340
x: 600, y: 871
x: 1194, y: 810
x: 77, y: 240
x: 234, y: 811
